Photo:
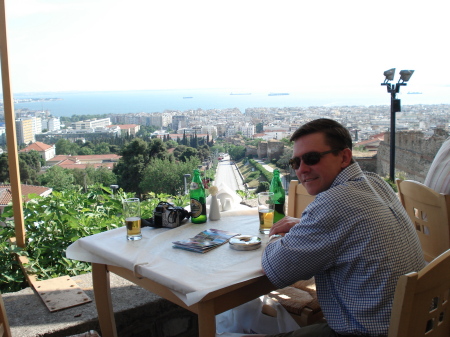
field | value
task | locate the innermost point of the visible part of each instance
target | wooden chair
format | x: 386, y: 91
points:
x: 430, y: 213
x: 300, y: 299
x: 4, y: 325
x: 421, y: 301
x: 298, y: 199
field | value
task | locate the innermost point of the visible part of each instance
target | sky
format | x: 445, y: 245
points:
x: 102, y: 45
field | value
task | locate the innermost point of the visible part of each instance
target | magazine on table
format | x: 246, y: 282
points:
x: 205, y: 241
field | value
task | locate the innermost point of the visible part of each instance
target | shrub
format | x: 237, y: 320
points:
x: 54, y: 222
x: 263, y: 187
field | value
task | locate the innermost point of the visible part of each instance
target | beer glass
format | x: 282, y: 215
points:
x: 266, y: 208
x: 132, y: 214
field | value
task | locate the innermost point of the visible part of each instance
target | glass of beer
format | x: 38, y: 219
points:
x: 132, y: 214
x: 266, y: 208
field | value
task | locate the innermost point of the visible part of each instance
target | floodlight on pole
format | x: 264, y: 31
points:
x: 405, y: 75
x: 389, y: 74
x: 394, y: 89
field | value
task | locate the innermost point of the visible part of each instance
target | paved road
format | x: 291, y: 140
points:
x: 227, y: 174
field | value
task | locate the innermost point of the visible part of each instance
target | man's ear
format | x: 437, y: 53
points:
x: 346, y: 157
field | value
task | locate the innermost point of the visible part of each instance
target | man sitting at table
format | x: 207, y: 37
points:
x: 355, y: 237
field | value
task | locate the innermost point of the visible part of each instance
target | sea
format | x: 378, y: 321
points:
x: 66, y: 104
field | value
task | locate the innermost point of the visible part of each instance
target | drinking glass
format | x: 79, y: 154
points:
x: 132, y: 213
x: 266, y: 208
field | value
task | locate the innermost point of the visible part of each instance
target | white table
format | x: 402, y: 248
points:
x: 206, y: 284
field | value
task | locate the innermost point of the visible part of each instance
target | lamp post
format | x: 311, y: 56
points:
x: 114, y: 188
x: 394, y: 89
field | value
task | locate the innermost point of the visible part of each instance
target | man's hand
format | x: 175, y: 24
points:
x: 284, y: 225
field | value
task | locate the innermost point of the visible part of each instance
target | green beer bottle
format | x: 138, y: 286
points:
x: 279, y: 196
x: 198, y: 199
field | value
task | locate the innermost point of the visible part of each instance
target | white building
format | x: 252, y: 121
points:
x: 91, y: 123
x: 231, y: 131
x: 51, y: 124
x: 37, y: 125
x: 46, y: 151
x: 248, y: 130
x: 210, y: 129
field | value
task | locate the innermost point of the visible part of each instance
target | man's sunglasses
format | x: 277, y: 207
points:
x: 310, y: 158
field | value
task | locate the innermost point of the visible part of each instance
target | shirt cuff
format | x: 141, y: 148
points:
x: 274, y: 237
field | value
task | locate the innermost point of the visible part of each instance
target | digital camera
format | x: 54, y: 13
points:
x: 169, y: 216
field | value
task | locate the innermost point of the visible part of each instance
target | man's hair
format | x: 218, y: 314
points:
x: 336, y: 135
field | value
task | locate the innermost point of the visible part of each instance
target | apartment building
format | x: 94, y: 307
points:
x: 24, y: 131
x: 91, y: 124
x: 248, y: 130
x: 51, y: 124
x: 209, y: 129
x: 37, y: 125
x: 179, y: 122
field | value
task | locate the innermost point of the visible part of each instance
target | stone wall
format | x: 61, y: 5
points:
x: 272, y: 149
x: 368, y: 163
x: 414, y: 153
x: 251, y: 151
x: 262, y: 150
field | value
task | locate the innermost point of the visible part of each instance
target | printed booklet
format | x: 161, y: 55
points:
x: 205, y: 241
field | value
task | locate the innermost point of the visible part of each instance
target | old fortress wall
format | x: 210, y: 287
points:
x: 414, y: 153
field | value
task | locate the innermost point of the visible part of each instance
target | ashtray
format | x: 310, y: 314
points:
x: 245, y: 242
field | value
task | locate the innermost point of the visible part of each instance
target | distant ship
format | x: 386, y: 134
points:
x: 414, y: 93
x: 186, y: 97
x: 278, y: 93
x: 240, y: 93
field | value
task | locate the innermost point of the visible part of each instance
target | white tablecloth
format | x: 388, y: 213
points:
x: 189, y: 275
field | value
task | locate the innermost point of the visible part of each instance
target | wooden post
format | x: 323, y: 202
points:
x: 13, y: 158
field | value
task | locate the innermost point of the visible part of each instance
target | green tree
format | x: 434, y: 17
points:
x: 130, y: 168
x: 145, y: 131
x: 82, y: 177
x: 236, y: 151
x: 102, y: 148
x: 57, y: 178
x: 85, y: 151
x: 157, y: 149
x: 283, y: 162
x: 184, y: 153
x: 217, y: 148
x: 165, y: 176
x: 30, y: 164
x: 204, y: 152
x: 170, y: 144
x: 64, y: 146
x: 286, y: 142
x: 259, y: 128
x: 135, y: 157
x: 4, y: 168
x: 104, y: 176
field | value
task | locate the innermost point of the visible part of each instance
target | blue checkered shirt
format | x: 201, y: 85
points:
x: 357, y: 240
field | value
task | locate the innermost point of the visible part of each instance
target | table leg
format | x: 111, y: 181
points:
x: 206, y: 319
x: 102, y: 293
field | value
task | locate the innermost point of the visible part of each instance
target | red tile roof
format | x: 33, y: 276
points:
x: 85, y: 158
x: 6, y: 194
x: 71, y: 165
x: 126, y: 126
x: 37, y: 146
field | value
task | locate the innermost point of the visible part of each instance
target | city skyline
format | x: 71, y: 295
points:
x: 103, y: 45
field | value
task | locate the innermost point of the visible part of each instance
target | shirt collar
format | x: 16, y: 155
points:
x: 351, y: 172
